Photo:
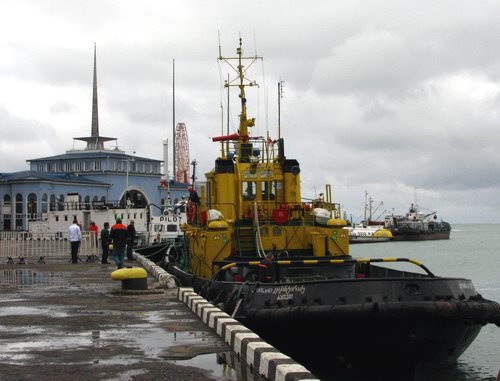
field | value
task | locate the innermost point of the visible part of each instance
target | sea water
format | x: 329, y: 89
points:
x: 472, y: 252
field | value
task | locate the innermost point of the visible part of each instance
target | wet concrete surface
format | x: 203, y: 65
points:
x: 60, y: 321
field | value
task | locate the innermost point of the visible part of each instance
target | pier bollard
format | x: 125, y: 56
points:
x: 133, y: 278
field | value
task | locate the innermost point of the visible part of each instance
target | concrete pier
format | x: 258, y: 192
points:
x: 67, y: 321
x: 61, y: 321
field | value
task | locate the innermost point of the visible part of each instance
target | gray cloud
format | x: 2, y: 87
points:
x: 387, y: 97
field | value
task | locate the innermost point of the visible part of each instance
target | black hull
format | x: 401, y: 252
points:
x: 419, y: 236
x: 155, y: 252
x: 401, y: 348
x: 388, y: 323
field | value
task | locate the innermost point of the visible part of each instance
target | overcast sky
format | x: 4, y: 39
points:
x: 396, y: 98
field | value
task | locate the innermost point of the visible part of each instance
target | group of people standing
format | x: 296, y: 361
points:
x: 120, y: 240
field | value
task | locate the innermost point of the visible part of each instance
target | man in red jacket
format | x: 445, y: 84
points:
x: 118, y: 237
x: 94, y: 239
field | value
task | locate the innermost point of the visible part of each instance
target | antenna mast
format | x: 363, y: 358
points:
x: 280, y: 95
x: 173, y: 116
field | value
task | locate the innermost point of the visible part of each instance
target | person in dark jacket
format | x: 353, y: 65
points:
x: 105, y: 241
x: 118, y: 237
x: 192, y: 207
x: 266, y: 268
x: 130, y: 240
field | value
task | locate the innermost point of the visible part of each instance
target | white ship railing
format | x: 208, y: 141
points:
x: 24, y: 246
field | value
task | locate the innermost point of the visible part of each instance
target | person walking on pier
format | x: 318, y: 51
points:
x: 74, y: 237
x: 118, y: 237
x: 131, y: 237
x: 105, y: 241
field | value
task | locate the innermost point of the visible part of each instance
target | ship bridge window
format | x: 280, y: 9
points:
x: 250, y: 174
x: 269, y: 190
x: 249, y: 188
x: 266, y: 174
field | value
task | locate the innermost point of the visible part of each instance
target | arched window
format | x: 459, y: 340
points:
x: 19, y: 203
x: 60, y: 202
x: 19, y: 211
x: 7, y: 212
x: 44, y: 203
x: 32, y: 207
x: 103, y: 199
x: 87, y: 202
x: 52, y: 204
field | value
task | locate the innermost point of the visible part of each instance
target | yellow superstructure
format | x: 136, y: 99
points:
x: 256, y: 192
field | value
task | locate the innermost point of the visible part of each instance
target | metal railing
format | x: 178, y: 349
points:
x: 25, y: 246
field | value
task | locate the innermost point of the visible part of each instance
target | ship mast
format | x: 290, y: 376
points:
x: 241, y: 82
x: 244, y: 123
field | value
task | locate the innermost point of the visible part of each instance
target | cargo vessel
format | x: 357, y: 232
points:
x: 417, y: 226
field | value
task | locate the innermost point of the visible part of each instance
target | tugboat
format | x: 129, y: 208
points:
x: 417, y: 226
x: 282, y: 267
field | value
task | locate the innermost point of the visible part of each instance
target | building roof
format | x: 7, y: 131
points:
x: 92, y: 154
x: 47, y: 176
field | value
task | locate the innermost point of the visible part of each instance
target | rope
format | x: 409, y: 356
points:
x: 236, y: 308
x: 258, y: 238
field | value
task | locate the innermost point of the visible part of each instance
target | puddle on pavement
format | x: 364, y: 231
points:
x: 18, y: 310
x: 165, y: 316
x: 30, y: 278
x: 153, y: 341
x: 223, y: 366
x: 150, y: 342
x: 19, y: 330
x: 212, y: 363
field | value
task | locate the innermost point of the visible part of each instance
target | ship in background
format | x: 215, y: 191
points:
x: 417, y: 226
x: 369, y: 230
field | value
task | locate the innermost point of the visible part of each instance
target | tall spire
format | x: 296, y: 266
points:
x: 95, y: 116
x: 94, y: 141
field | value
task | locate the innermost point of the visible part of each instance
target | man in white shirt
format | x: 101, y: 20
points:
x: 74, y: 237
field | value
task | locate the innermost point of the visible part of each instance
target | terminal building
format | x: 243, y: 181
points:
x: 95, y: 176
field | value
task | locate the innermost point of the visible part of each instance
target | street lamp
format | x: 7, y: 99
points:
x: 128, y: 160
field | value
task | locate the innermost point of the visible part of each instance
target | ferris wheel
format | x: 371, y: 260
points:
x: 181, y: 158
